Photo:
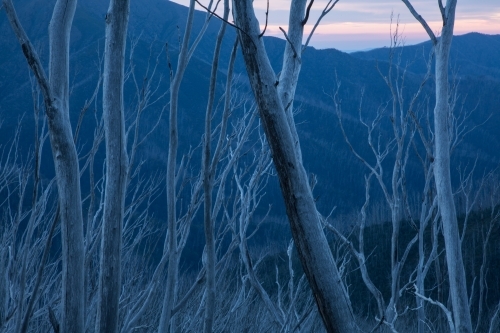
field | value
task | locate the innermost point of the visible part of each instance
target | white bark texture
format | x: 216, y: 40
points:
x: 442, y: 176
x: 116, y: 166
x: 67, y: 169
x: 172, y: 274
x: 312, y: 246
x: 292, y: 63
x: 56, y: 98
x: 456, y: 271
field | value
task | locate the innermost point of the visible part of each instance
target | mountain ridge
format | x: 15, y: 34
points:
x: 154, y: 23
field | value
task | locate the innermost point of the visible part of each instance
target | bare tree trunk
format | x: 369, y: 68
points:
x: 116, y: 167
x: 56, y: 97
x: 291, y: 67
x: 172, y: 273
x: 208, y: 175
x: 456, y: 271
x: 312, y: 246
x: 67, y: 169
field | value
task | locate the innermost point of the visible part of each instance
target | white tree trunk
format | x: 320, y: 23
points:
x: 442, y: 112
x: 312, y: 246
x: 456, y: 271
x: 116, y: 167
x: 291, y: 67
x: 56, y: 98
x: 173, y: 261
x: 67, y: 169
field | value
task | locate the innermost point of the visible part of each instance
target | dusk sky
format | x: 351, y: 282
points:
x: 362, y: 24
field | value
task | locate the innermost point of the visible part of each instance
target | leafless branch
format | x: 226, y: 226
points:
x: 265, y: 27
x: 31, y: 56
x: 328, y: 7
x: 290, y: 42
x: 447, y: 312
x: 420, y: 19
x: 220, y: 18
x: 304, y: 21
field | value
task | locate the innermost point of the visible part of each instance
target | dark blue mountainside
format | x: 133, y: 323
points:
x: 155, y: 23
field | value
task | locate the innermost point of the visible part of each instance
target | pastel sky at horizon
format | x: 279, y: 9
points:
x: 363, y: 24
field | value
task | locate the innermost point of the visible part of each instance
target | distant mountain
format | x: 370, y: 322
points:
x: 472, y: 54
x: 155, y: 23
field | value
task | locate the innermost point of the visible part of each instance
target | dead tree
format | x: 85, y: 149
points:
x: 442, y: 176
x: 55, y: 90
x: 273, y: 103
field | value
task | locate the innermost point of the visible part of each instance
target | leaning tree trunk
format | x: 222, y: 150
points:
x: 314, y: 252
x: 56, y: 98
x: 67, y: 169
x: 116, y: 167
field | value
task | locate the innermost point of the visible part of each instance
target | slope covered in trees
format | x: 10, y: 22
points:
x: 317, y: 123
x: 366, y: 154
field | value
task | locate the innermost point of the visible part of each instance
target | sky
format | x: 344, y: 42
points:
x: 355, y: 25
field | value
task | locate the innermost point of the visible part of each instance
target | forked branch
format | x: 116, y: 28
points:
x: 328, y: 7
x: 222, y: 19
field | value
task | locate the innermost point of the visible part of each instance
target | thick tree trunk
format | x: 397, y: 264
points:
x: 116, y: 167
x: 67, y: 170
x: 312, y: 246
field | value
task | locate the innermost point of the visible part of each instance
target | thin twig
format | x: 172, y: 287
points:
x: 328, y: 7
x: 41, y: 268
x: 291, y: 44
x: 304, y: 21
x: 220, y: 18
x: 267, y: 15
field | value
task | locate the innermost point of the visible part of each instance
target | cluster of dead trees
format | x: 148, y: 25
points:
x: 104, y: 278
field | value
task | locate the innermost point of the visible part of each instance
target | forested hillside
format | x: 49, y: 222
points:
x: 206, y: 220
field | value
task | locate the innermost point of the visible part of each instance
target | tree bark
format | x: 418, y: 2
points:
x: 172, y: 273
x: 208, y: 176
x: 442, y: 176
x: 67, y: 169
x: 314, y: 252
x: 116, y: 167
x: 56, y: 98
x: 456, y: 271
